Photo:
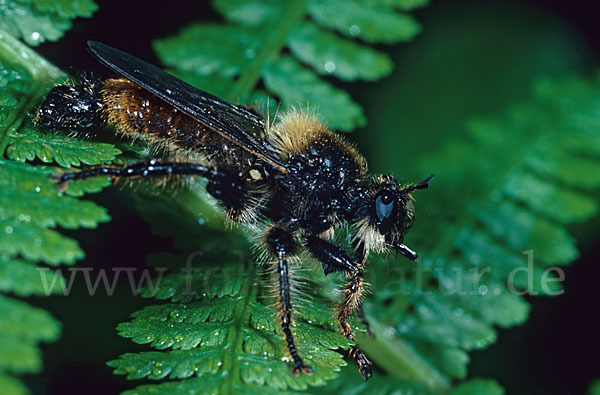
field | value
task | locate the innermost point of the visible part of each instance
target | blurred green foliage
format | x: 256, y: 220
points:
x: 467, y: 62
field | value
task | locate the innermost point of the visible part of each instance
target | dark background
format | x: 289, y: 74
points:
x: 473, y: 57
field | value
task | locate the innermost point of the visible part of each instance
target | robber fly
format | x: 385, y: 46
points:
x: 293, y: 180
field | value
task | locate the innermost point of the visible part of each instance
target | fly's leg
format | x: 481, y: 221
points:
x: 360, y: 254
x: 140, y: 170
x: 352, y: 296
x: 282, y: 244
x: 225, y: 184
x: 333, y: 259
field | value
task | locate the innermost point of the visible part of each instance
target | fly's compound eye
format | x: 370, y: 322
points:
x: 386, y: 209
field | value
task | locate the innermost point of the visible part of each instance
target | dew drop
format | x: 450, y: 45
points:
x: 480, y: 343
x: 403, y: 328
x: 483, y: 289
x: 389, y: 332
x: 35, y: 36
x: 8, y: 229
x: 329, y: 66
x: 354, y: 30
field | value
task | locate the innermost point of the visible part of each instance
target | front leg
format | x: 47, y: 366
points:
x: 335, y: 259
x: 281, y: 243
x: 361, y: 257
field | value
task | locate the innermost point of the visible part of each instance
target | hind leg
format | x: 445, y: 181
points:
x: 224, y: 184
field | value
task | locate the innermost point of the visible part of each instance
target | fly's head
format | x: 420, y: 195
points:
x: 386, y: 213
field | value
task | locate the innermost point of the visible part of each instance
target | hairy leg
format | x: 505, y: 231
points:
x: 336, y: 259
x: 360, y: 256
x: 281, y: 243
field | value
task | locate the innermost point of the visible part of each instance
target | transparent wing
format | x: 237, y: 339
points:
x: 234, y: 123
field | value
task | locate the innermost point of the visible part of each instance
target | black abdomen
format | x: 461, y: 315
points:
x: 71, y: 107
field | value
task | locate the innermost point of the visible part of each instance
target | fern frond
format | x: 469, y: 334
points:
x: 36, y: 21
x: 254, y: 53
x: 594, y: 387
x: 22, y: 327
x: 232, y: 60
x: 31, y: 206
x: 349, y: 383
x: 221, y: 321
x: 11, y: 386
x: 501, y: 194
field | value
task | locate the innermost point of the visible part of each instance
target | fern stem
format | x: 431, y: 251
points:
x: 42, y: 72
x: 292, y: 14
x: 240, y: 316
x: 399, y: 359
x: 393, y: 352
x: 13, y: 50
x: 16, y: 118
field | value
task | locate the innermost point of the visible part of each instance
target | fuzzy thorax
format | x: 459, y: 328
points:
x: 297, y: 129
x: 294, y: 131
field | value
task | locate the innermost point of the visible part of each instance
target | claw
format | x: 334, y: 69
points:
x: 301, y: 368
x: 60, y: 180
x: 365, y: 372
x: 56, y: 177
x: 364, y: 365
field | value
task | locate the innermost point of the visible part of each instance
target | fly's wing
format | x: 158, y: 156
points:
x: 232, y: 122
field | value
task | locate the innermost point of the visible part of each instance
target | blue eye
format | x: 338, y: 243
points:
x: 385, y: 210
